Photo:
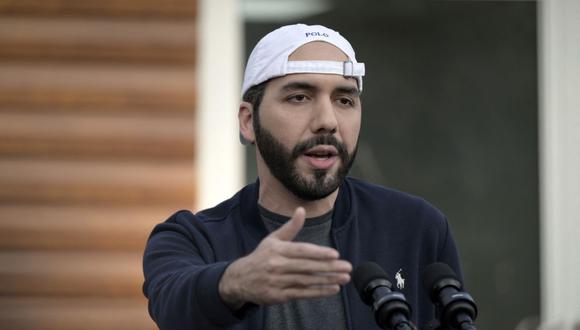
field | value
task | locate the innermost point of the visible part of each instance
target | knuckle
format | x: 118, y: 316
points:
x: 301, y: 249
x: 272, y: 297
x: 329, y: 279
x: 275, y: 300
x: 289, y: 295
x: 273, y: 265
x: 267, y: 242
x: 304, y: 281
x: 301, y: 280
x: 269, y: 266
x: 276, y: 247
x: 266, y: 282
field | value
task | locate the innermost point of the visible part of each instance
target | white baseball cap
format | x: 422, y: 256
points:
x: 269, y: 59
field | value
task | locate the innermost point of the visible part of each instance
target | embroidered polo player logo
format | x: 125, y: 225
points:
x: 400, y: 280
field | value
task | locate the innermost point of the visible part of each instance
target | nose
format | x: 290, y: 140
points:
x: 324, y: 118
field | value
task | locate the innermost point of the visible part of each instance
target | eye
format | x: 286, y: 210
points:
x: 297, y: 98
x: 346, y: 102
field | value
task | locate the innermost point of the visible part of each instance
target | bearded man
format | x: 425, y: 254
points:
x: 279, y: 253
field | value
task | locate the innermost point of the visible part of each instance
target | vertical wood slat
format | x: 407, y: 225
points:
x: 97, y: 117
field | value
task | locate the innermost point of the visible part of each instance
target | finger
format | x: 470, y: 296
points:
x: 307, y: 251
x: 291, y: 228
x: 309, y: 266
x: 304, y: 281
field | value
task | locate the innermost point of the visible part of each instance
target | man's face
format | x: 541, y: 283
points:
x: 307, y: 126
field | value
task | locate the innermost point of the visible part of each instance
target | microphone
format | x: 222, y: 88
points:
x: 390, y: 308
x: 456, y: 309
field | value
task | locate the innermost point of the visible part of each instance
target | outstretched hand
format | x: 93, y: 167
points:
x: 279, y: 270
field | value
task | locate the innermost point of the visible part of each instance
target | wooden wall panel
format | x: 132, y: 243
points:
x: 97, y: 110
x: 77, y: 227
x: 97, y: 39
x: 122, y: 9
x: 72, y: 313
x: 97, y: 87
x: 94, y: 136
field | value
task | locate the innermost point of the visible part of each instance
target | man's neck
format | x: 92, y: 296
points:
x: 276, y: 198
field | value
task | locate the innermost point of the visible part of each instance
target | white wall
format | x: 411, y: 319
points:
x: 219, y: 163
x: 559, y: 32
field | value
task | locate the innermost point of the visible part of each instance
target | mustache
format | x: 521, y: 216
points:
x: 301, y: 147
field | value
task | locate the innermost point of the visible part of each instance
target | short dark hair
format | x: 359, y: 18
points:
x: 254, y: 95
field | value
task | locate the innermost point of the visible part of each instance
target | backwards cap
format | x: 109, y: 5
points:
x: 269, y: 59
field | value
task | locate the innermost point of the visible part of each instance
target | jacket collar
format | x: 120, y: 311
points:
x: 342, y: 215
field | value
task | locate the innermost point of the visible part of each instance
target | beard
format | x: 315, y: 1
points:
x: 282, y: 164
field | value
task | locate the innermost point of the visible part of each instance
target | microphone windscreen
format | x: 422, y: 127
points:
x: 435, y: 273
x: 366, y: 272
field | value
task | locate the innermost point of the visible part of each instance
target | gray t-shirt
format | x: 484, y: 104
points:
x: 319, y: 314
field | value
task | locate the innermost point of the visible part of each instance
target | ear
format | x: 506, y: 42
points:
x: 245, y: 121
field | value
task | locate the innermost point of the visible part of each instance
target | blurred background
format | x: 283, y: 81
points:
x: 116, y: 113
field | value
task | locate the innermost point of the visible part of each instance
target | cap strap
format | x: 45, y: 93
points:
x: 347, y: 68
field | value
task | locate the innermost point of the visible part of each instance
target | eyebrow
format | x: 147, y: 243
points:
x: 301, y: 85
x: 348, y: 90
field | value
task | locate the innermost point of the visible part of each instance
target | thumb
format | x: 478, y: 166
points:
x: 291, y: 228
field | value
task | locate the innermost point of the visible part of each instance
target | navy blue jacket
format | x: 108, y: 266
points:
x: 186, y: 256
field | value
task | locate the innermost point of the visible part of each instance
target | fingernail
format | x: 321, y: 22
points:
x: 347, y: 266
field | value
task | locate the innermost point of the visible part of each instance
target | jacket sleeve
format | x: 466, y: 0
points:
x: 182, y: 277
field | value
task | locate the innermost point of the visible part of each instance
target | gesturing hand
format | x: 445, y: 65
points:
x: 279, y: 270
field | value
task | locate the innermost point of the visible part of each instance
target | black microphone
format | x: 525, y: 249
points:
x: 456, y: 309
x: 390, y: 308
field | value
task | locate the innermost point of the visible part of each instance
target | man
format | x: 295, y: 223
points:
x: 279, y: 253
